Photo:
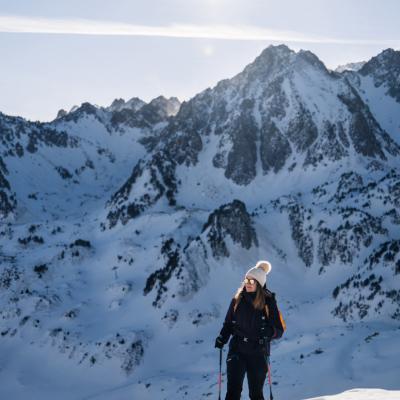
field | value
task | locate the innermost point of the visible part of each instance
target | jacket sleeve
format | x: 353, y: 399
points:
x: 276, y: 319
x: 227, y: 328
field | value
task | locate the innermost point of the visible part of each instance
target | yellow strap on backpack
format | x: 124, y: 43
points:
x: 282, y: 321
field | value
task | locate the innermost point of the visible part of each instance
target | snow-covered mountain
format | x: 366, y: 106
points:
x: 355, y: 66
x: 284, y: 113
x: 126, y: 229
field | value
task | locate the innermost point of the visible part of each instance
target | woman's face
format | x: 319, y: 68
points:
x: 250, y: 287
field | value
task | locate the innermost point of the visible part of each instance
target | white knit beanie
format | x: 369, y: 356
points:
x: 260, y: 271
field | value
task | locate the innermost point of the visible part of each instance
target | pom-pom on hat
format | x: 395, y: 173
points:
x: 260, y: 271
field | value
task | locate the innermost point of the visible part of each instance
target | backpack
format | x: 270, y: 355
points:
x: 281, y: 320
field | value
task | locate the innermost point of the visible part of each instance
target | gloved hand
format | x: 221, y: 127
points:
x: 269, y: 332
x: 219, y: 343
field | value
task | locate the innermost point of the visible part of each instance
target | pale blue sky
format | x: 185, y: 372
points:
x: 56, y: 53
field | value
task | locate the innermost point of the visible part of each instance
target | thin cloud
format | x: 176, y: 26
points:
x: 20, y: 24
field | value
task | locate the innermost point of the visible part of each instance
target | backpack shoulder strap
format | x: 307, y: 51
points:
x: 268, y: 294
x: 271, y: 295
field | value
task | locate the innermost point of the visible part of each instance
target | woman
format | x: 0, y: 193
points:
x: 253, y: 320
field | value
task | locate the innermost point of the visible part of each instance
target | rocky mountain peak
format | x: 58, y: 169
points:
x: 267, y: 115
x: 61, y: 113
x: 272, y: 61
x: 386, y: 60
x: 355, y: 66
x: 311, y: 59
x: 117, y: 104
x: 385, y: 70
x: 87, y: 108
x: 167, y: 106
x: 120, y: 104
x: 276, y: 61
x: 280, y: 51
x: 77, y: 112
x: 149, y: 114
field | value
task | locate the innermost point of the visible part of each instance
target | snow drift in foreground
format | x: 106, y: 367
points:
x: 363, y: 394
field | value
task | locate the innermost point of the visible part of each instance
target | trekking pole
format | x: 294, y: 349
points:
x: 220, y: 374
x: 269, y: 380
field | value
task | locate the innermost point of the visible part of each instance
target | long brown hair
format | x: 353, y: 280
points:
x: 259, y: 300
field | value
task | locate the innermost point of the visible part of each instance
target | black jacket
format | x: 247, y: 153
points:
x: 248, y: 325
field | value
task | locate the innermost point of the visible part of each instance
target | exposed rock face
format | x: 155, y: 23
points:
x: 367, y: 292
x: 121, y: 115
x: 332, y: 147
x: 158, y: 178
x: 298, y: 216
x: 356, y: 66
x: 18, y: 135
x: 357, y: 228
x: 133, y: 104
x: 323, y: 241
x: 145, y: 115
x: 22, y: 139
x: 230, y: 220
x: 8, y: 201
x: 61, y: 113
x: 275, y: 148
x: 185, y: 268
x: 366, y: 135
x: 302, y: 130
x: 181, y: 140
x: 385, y: 71
x: 159, y: 278
x: 85, y: 109
x: 344, y: 243
x: 241, y: 160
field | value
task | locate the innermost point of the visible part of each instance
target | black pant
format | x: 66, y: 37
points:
x: 256, y: 366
